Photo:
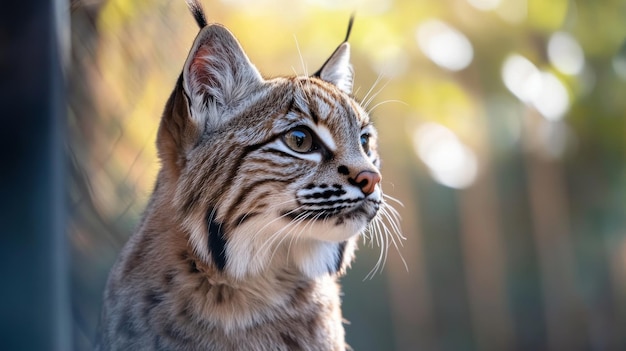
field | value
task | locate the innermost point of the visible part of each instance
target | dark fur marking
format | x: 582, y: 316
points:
x: 153, y: 298
x: 222, y: 294
x: 333, y: 102
x: 343, y: 170
x: 327, y: 194
x: 216, y: 241
x: 314, y: 323
x: 296, y: 109
x: 168, y: 278
x: 186, y: 312
x: 292, y: 106
x: 289, y: 341
x: 248, y: 149
x: 193, y: 268
x: 191, y: 199
x: 331, y: 203
x: 341, y: 250
x: 302, y: 293
x: 239, y: 161
x: 243, y: 193
x: 126, y: 326
x: 314, y: 115
x: 219, y: 296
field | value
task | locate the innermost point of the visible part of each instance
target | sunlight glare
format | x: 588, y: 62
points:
x: 449, y: 161
x: 552, y: 101
x: 565, y: 53
x: 543, y: 90
x: 444, y: 45
x: 521, y: 77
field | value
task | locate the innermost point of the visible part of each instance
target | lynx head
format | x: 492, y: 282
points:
x: 267, y: 173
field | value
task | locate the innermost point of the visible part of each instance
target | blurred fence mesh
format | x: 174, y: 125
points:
x: 502, y: 128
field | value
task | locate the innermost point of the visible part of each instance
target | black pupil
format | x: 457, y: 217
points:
x: 298, y: 137
x: 365, y: 141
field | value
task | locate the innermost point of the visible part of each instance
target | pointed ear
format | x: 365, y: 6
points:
x: 337, y: 69
x: 218, y: 76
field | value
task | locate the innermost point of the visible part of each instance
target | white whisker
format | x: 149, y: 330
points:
x: 385, y: 102
x: 306, y: 73
x: 371, y: 98
x: 270, y: 240
x: 384, y: 231
x: 365, y: 98
x: 294, y: 222
x: 389, y: 197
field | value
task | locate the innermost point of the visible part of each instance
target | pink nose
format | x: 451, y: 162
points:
x: 367, y: 180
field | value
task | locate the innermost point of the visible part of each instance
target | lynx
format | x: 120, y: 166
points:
x: 264, y: 187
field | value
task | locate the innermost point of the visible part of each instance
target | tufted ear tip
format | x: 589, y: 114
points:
x: 217, y: 73
x: 337, y: 69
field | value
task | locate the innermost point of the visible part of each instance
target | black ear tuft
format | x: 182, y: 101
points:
x: 350, y: 23
x: 337, y: 68
x: 198, y: 13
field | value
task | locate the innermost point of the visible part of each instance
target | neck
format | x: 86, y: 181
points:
x: 309, y: 258
x: 243, y: 252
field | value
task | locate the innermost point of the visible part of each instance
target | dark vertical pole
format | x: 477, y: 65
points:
x: 33, y: 263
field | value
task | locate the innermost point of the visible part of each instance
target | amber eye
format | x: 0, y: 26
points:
x: 365, y: 143
x: 299, y: 140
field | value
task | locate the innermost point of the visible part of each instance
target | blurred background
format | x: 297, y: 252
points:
x: 502, y: 127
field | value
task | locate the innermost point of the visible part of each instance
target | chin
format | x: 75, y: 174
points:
x: 329, y: 231
x: 337, y: 228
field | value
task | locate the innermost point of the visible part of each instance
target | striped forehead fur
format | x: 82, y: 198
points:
x: 228, y: 174
x: 260, y: 123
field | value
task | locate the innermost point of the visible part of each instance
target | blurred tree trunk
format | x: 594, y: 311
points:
x: 35, y: 300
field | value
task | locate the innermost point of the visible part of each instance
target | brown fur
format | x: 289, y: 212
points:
x: 175, y: 306
x: 243, y: 239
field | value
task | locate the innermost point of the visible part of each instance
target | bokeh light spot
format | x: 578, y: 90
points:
x: 542, y: 90
x: 552, y: 101
x: 521, y: 77
x: 449, y: 161
x: 565, y: 53
x: 619, y: 65
x: 444, y: 45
